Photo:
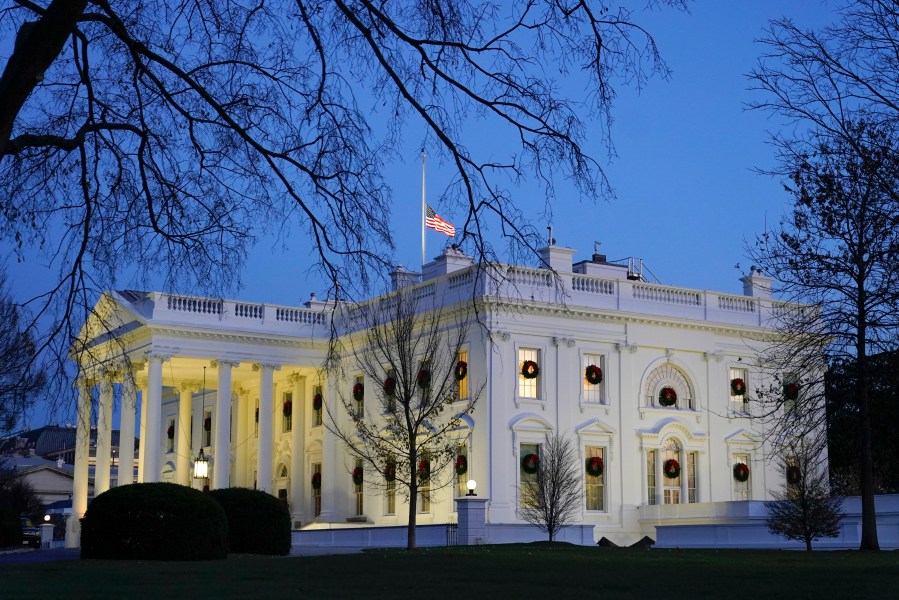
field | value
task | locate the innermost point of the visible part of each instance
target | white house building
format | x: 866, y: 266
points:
x: 662, y: 409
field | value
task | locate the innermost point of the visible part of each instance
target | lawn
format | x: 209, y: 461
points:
x: 510, y: 571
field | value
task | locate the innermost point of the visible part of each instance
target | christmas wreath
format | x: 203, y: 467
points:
x: 424, y: 469
x: 358, y: 392
x: 207, y: 424
x: 461, y: 370
x: 671, y: 469
x: 741, y: 472
x: 593, y: 374
x: 357, y: 476
x: 791, y: 391
x: 316, y: 402
x: 594, y: 466
x: 423, y: 378
x: 390, y: 386
x: 737, y: 386
x: 793, y: 475
x: 170, y: 432
x: 288, y: 408
x: 461, y: 465
x: 530, y: 463
x: 667, y: 396
x: 529, y: 369
x: 390, y: 471
x: 316, y: 481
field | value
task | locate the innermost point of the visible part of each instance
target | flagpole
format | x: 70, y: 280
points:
x: 422, y: 208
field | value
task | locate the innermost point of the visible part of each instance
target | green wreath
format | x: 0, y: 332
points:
x: 358, y: 392
x: 287, y: 408
x: 316, y: 481
x: 741, y: 472
x: 357, y: 476
x: 671, y: 469
x: 529, y: 369
x: 667, y: 396
x: 390, y: 386
x: 390, y: 471
x: 423, y: 378
x: 737, y: 386
x: 594, y: 466
x: 316, y: 402
x: 791, y: 391
x: 461, y: 370
x: 530, y: 463
x: 424, y: 469
x: 793, y: 475
x: 461, y: 465
x: 593, y: 375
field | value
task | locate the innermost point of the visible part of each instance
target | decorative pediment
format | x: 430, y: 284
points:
x: 742, y: 438
x: 670, y: 426
x: 595, y: 427
x: 530, y: 422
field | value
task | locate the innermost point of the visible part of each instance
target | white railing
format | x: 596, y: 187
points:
x: 204, y: 306
x: 593, y: 285
x: 299, y: 315
x: 535, y: 277
x: 655, y: 293
x: 249, y: 311
x: 737, y: 303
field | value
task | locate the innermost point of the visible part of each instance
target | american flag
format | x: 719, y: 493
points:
x: 433, y: 221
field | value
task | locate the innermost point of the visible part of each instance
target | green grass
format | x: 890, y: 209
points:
x: 510, y: 571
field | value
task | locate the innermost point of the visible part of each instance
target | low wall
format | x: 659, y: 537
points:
x: 742, y: 525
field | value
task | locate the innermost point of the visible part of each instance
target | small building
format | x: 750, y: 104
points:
x: 641, y: 375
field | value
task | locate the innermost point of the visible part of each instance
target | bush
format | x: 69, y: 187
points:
x: 10, y: 528
x: 154, y: 521
x: 258, y: 523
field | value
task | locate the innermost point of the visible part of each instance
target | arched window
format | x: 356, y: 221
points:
x: 668, y: 377
x: 671, y: 486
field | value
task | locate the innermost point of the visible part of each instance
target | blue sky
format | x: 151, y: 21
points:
x: 688, y: 196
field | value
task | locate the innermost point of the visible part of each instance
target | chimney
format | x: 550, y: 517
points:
x: 756, y: 284
x: 401, y: 278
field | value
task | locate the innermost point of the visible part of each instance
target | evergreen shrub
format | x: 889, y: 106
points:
x: 10, y: 528
x: 154, y: 521
x: 258, y: 523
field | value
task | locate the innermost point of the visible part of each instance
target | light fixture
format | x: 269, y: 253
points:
x: 201, y: 466
x: 47, y: 518
x: 471, y: 485
x: 201, y: 463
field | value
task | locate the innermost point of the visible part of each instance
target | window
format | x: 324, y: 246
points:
x: 357, y: 488
x: 424, y: 486
x: 207, y: 428
x: 790, y: 392
x: 256, y: 421
x: 528, y: 388
x: 593, y: 392
x: 668, y: 388
x: 286, y: 412
x: 739, y: 402
x: 594, y: 485
x: 359, y: 398
x: 170, y: 436
x: 671, y: 485
x: 317, y: 412
x: 390, y: 399
x: 462, y: 392
x: 317, y: 491
x: 527, y: 481
x: 651, y: 476
x: 461, y: 478
x: 692, y: 463
x: 742, y: 488
x: 390, y: 497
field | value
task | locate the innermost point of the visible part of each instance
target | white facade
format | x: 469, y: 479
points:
x: 193, y: 359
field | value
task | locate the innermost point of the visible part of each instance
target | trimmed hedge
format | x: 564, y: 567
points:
x: 258, y: 523
x: 154, y: 521
x: 10, y: 528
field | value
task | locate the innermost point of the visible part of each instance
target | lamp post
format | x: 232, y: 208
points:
x: 471, y: 485
x: 201, y: 463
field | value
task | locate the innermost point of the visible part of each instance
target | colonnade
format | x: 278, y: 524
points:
x: 234, y: 407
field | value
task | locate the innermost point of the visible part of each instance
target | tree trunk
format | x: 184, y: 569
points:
x: 37, y: 46
x: 869, y: 516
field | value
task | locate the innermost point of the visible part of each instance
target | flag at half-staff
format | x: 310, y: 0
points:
x: 435, y: 222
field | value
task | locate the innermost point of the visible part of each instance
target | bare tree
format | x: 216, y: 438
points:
x: 553, y: 499
x: 155, y: 141
x: 21, y: 378
x: 408, y: 356
x: 838, y: 252
x: 804, y: 510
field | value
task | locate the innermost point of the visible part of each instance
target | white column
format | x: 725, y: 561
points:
x: 221, y: 447
x: 104, y: 437
x: 297, y: 449
x: 126, y: 429
x: 82, y: 456
x: 182, y: 433
x: 153, y: 433
x: 141, y: 450
x: 244, y: 420
x: 266, y: 423
x: 330, y: 470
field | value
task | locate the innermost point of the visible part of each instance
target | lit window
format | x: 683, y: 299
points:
x: 318, y: 401
x: 741, y: 488
x: 462, y: 369
x: 651, y: 476
x: 739, y: 389
x: 528, y: 464
x: 287, y: 412
x: 594, y: 478
x: 593, y: 392
x: 528, y: 387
